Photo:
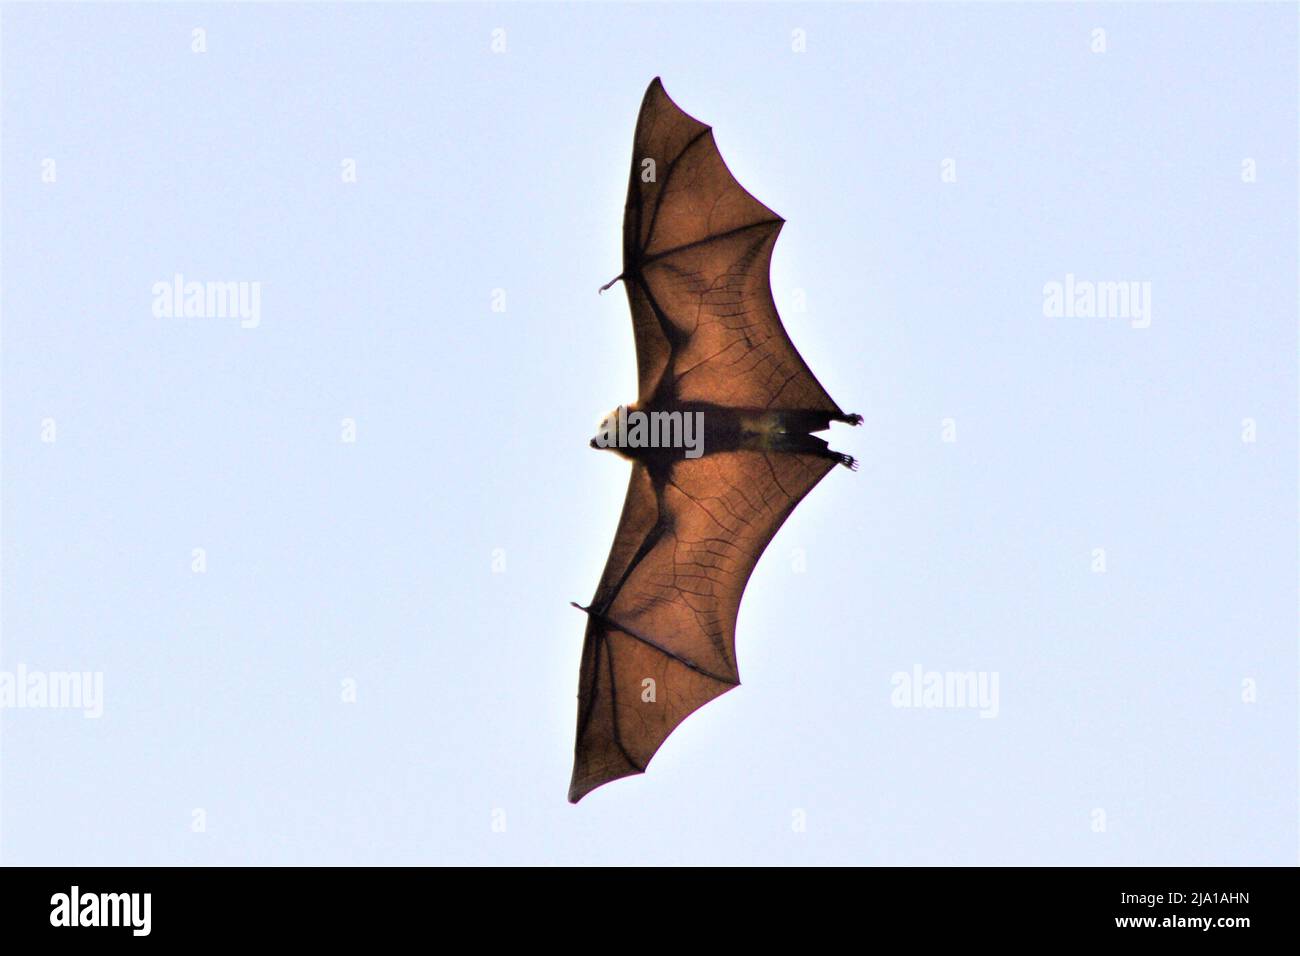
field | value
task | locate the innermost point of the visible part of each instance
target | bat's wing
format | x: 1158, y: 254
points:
x: 661, y: 630
x: 696, y: 250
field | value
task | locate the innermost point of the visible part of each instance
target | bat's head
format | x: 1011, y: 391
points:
x: 607, y: 435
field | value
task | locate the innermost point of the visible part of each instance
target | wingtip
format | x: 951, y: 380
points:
x: 577, y: 791
x: 580, y: 787
x: 576, y: 794
x: 655, y: 92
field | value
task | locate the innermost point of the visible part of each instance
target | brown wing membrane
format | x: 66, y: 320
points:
x: 696, y: 251
x: 661, y: 631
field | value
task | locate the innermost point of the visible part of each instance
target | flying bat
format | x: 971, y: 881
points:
x: 720, y: 439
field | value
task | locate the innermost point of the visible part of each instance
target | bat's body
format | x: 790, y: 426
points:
x: 739, y: 429
x: 721, y: 440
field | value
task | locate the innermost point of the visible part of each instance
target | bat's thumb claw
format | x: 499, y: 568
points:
x: 609, y: 284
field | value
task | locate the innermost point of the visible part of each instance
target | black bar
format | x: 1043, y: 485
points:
x: 333, y: 906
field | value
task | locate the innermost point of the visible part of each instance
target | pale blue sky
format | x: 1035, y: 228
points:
x: 373, y: 561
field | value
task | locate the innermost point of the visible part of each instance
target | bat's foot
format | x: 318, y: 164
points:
x: 848, y: 461
x: 854, y: 419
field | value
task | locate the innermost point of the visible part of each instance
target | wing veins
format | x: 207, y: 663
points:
x: 668, y: 652
x: 727, y: 234
x: 668, y: 178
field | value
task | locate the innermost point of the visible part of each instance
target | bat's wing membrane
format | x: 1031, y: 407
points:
x: 661, y: 635
x: 696, y: 253
x: 661, y: 628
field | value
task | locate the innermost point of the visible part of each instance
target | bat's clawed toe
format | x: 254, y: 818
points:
x: 848, y: 461
x: 855, y: 419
